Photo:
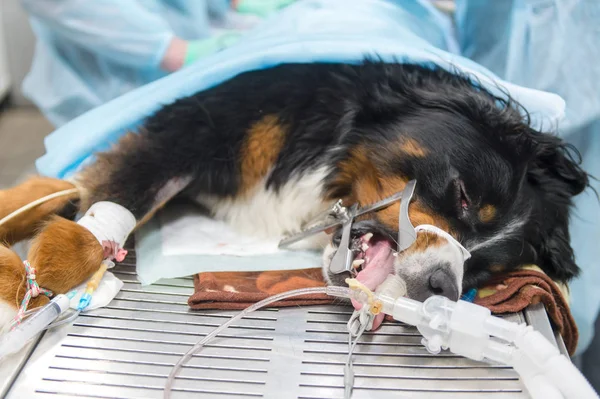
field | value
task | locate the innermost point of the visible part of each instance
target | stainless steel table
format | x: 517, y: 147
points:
x: 127, y: 349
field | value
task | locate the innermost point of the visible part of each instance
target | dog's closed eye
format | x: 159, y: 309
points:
x: 463, y: 202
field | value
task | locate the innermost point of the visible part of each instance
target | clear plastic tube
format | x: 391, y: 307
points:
x: 57, y: 323
x: 17, y: 338
x: 37, y: 202
x: 60, y: 321
x: 341, y: 292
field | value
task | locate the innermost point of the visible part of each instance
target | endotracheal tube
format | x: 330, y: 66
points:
x: 462, y: 327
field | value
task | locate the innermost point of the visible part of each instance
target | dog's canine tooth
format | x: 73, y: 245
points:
x: 367, y: 237
x: 358, y: 263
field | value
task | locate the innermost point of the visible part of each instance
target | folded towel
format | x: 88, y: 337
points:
x: 514, y: 291
x: 238, y: 290
x: 508, y: 293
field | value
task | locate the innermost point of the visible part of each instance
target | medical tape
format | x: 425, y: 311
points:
x: 111, y: 224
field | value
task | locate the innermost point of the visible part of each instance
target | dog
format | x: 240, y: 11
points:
x: 269, y: 149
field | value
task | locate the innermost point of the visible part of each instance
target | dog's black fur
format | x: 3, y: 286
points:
x: 478, y: 150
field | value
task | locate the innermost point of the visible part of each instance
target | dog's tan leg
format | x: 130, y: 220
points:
x: 64, y: 255
x: 24, y: 225
x: 129, y: 177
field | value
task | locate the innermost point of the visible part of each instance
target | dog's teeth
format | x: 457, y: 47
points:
x: 364, y: 246
x: 358, y: 263
x: 368, y: 237
x: 395, y: 254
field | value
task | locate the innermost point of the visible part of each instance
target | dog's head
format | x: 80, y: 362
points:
x: 500, y: 188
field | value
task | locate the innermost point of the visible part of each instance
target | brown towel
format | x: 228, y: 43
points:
x: 505, y: 294
x: 516, y: 290
x: 238, y: 290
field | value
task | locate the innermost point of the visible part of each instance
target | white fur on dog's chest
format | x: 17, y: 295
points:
x: 272, y: 214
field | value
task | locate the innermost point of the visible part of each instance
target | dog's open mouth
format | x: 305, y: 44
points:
x: 373, y: 259
x: 374, y: 256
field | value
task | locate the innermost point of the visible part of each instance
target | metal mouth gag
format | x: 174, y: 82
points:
x: 340, y: 215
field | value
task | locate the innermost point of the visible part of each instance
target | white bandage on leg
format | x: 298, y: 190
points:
x: 111, y: 224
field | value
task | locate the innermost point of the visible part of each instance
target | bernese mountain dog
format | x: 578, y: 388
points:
x: 269, y: 149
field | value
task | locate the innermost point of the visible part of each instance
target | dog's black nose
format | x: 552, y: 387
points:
x: 442, y: 282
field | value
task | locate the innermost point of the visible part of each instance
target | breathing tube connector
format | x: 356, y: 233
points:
x: 462, y: 327
x: 471, y: 331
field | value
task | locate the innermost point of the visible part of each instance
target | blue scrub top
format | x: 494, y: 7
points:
x: 90, y: 52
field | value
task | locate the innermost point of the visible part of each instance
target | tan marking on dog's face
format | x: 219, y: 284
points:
x: 355, y: 167
x: 364, y: 183
x: 260, y: 151
x: 426, y: 239
x: 369, y: 185
x: 413, y: 148
x: 497, y: 268
x: 418, y: 214
x: 487, y: 213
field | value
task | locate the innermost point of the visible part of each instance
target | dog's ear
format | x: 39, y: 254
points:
x: 556, y: 177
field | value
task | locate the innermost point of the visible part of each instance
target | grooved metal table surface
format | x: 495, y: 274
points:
x: 127, y: 349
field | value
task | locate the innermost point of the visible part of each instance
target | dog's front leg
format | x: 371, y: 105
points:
x: 120, y: 191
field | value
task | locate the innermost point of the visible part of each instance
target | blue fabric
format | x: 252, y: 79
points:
x: 90, y: 52
x: 307, y: 31
x: 552, y: 45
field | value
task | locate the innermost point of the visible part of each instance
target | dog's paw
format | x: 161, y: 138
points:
x: 65, y: 254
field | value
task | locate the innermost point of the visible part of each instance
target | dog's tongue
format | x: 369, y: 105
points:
x: 380, y: 264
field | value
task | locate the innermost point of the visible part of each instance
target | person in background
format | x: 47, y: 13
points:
x: 554, y: 45
x: 90, y: 52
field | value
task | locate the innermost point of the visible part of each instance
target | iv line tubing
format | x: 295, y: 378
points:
x: 37, y: 202
x: 332, y: 291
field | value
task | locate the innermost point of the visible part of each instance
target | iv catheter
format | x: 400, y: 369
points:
x: 463, y: 328
x: 92, y: 285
